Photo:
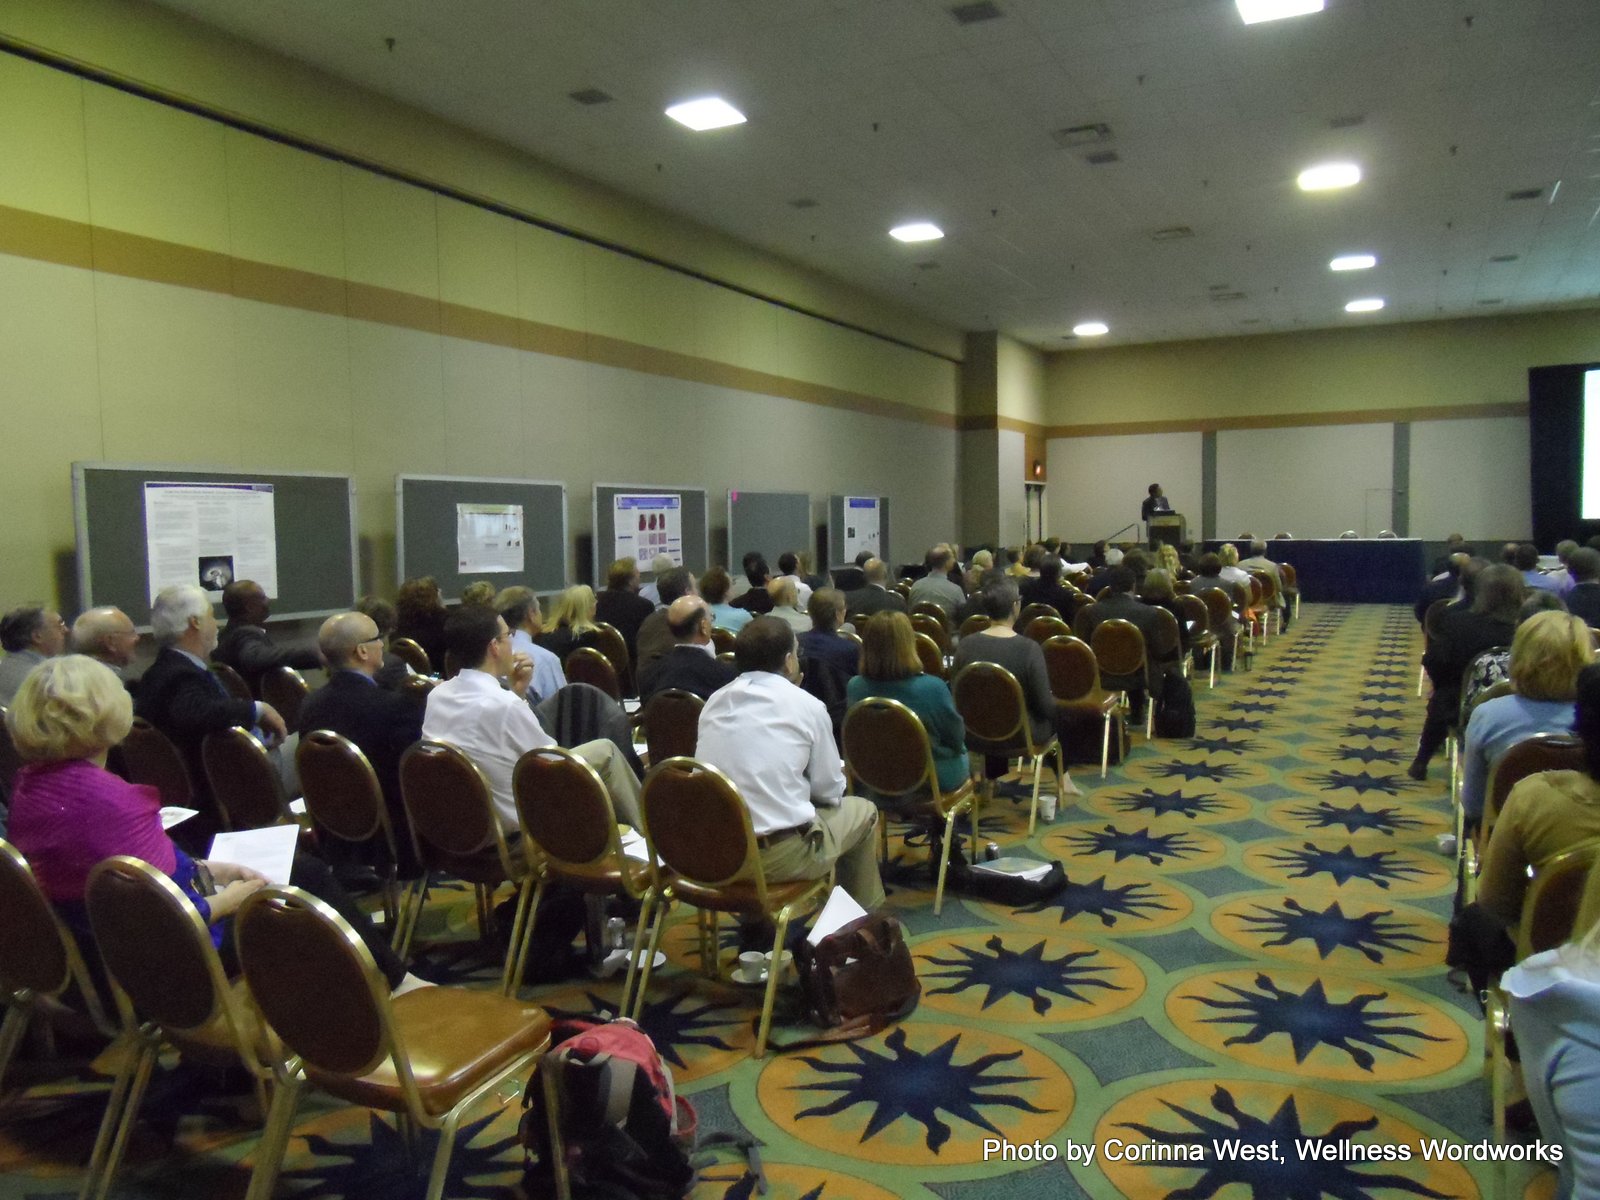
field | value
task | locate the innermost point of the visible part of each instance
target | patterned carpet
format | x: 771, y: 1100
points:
x: 1247, y: 953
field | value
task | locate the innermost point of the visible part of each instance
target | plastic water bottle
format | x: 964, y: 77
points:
x: 616, y: 933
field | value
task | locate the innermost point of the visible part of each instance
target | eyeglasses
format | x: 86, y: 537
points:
x: 370, y: 640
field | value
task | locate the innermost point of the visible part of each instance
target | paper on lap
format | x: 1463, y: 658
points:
x: 269, y: 850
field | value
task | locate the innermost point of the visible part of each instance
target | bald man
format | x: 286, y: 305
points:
x: 874, y: 595
x: 692, y: 663
x: 243, y: 643
x: 106, y: 634
x: 382, y: 723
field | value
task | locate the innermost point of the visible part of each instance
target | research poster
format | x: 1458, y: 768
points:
x: 489, y: 538
x: 210, y: 534
x: 860, y: 526
x: 647, y: 526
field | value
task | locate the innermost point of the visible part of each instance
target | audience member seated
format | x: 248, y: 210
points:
x: 1562, y: 576
x: 1122, y: 605
x: 823, y: 642
x: 1157, y: 592
x: 244, y: 643
x: 806, y: 569
x: 572, y: 622
x: 395, y: 670
x: 29, y: 635
x: 180, y: 696
x: 714, y: 587
x: 874, y: 595
x: 982, y: 563
x: 419, y: 615
x: 520, y: 608
x: 106, y: 635
x: 621, y: 606
x: 1168, y: 560
x: 1228, y: 554
x: 1547, y: 653
x: 659, y: 566
x: 754, y: 599
x: 484, y: 712
x: 1208, y: 575
x: 1443, y: 586
x: 1048, y: 588
x: 1525, y: 557
x: 1001, y: 644
x: 1583, y: 598
x: 935, y: 587
x: 786, y: 605
x: 892, y: 669
x: 852, y: 578
x: 1258, y: 561
x: 655, y: 635
x: 68, y: 813
x: 692, y: 664
x: 789, y: 568
x: 776, y: 744
x: 480, y: 591
x: 1459, y: 636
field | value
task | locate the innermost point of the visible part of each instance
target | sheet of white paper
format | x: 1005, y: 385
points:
x: 298, y: 806
x: 269, y: 850
x: 1015, y: 868
x: 173, y: 814
x: 633, y: 845
x: 839, y: 911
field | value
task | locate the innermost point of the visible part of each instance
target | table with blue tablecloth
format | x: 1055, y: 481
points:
x: 1350, y: 570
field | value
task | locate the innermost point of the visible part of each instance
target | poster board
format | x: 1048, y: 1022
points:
x: 679, y: 527
x: 839, y: 522
x: 437, y: 515
x: 312, y: 534
x: 770, y: 522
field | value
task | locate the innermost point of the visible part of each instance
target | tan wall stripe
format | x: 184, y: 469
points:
x: 1365, y: 416
x: 47, y: 239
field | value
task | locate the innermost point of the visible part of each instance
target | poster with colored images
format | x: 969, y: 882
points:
x: 210, y: 534
x: 860, y: 526
x: 647, y: 526
x: 488, y: 538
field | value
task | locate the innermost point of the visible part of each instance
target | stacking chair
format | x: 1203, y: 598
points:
x: 345, y: 802
x: 933, y: 659
x: 416, y: 688
x: 428, y: 1056
x: 672, y: 724
x: 1167, y: 649
x: 610, y: 642
x: 974, y: 624
x: 1083, y: 622
x: 704, y: 852
x: 456, y: 829
x: 569, y: 828
x: 588, y: 665
x: 412, y: 652
x: 886, y: 748
x: 244, y: 780
x: 936, y: 612
x: 10, y: 760
x: 991, y: 703
x: 902, y: 587
x: 1202, y: 641
x: 1267, y: 602
x: 1291, y: 587
x: 932, y: 628
x: 172, y: 991
x: 1219, y: 610
x: 1075, y: 683
x: 1045, y: 626
x: 723, y: 640
x: 1430, y: 620
x: 233, y: 681
x: 1031, y: 612
x: 39, y: 960
x: 1541, y: 752
x: 150, y: 758
x: 1245, y: 599
x: 285, y: 689
x: 1119, y: 649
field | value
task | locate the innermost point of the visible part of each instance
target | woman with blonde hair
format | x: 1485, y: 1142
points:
x: 891, y: 668
x: 1167, y: 559
x: 1548, y: 652
x: 571, y: 622
x: 982, y: 563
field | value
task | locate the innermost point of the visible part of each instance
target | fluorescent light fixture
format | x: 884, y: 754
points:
x: 1092, y: 329
x: 917, y: 231
x: 708, y: 112
x: 1353, y: 262
x: 1252, y: 12
x: 1360, y: 306
x: 1329, y: 175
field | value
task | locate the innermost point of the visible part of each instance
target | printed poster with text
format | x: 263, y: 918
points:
x: 488, y: 538
x: 210, y: 534
x: 647, y: 526
x: 860, y: 526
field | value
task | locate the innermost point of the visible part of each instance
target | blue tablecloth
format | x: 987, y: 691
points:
x: 1351, y: 570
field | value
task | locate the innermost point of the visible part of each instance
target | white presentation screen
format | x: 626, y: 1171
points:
x: 1591, y: 446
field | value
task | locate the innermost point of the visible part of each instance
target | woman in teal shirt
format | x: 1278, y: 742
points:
x: 890, y: 668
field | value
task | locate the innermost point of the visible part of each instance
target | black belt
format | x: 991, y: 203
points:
x: 765, y: 841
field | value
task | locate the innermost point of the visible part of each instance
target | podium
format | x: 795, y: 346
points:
x: 1169, y: 528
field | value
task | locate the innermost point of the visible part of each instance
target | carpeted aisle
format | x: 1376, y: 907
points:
x: 1248, y: 952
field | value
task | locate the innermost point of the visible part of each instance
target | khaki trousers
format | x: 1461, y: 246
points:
x: 602, y: 754
x: 845, y: 837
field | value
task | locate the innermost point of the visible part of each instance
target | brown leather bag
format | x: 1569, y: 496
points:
x: 859, y: 979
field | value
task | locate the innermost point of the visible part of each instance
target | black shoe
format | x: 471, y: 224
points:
x: 1418, y: 769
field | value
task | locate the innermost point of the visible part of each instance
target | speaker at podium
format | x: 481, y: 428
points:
x: 1168, y: 527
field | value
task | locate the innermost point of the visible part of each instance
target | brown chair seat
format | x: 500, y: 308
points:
x: 453, y: 1038
x: 738, y: 897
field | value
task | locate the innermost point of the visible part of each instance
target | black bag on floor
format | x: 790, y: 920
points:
x: 1175, y: 708
x: 1006, y: 889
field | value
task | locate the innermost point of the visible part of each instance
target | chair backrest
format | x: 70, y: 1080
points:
x: 976, y: 623
x: 1074, y: 672
x: 723, y: 639
x: 1430, y: 619
x: 904, y: 586
x: 285, y: 689
x: 932, y: 657
x: 1119, y: 648
x: 149, y: 757
x: 1219, y: 608
x: 990, y: 702
x: 588, y: 665
x: 10, y: 760
x: 699, y: 825
x: 1494, y: 691
x: 233, y: 681
x: 1032, y: 611
x: 932, y: 628
x: 672, y: 724
x: 1268, y: 589
x: 609, y: 641
x: 412, y: 652
x: 1195, y: 615
x: 1167, y: 642
x: 886, y: 747
x: 1083, y: 622
x: 1046, y: 626
x: 567, y: 815
x: 448, y: 803
x: 1541, y: 752
x: 1244, y: 596
x: 1291, y: 581
x: 34, y: 952
x: 341, y: 789
x: 1550, y: 909
x: 245, y: 783
x: 416, y: 688
x: 927, y: 608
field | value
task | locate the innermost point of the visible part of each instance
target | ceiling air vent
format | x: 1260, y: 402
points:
x: 1226, y: 296
x: 591, y: 96
x: 1099, y: 158
x: 1172, y: 233
x: 803, y: 202
x: 1349, y: 121
x: 971, y: 14
x: 1504, y: 258
x: 1082, y: 135
x: 1525, y: 194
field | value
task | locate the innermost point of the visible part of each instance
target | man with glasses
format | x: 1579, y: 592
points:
x: 29, y: 635
x: 106, y: 634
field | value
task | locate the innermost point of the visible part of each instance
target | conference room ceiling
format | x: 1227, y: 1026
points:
x: 864, y: 114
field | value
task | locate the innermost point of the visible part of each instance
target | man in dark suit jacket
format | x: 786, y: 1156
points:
x: 655, y: 635
x: 1583, y: 564
x: 1123, y: 605
x: 690, y: 664
x: 179, y: 695
x: 1443, y: 586
x: 874, y: 596
x: 244, y: 644
x: 620, y: 605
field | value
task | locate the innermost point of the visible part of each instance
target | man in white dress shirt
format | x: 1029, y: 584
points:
x: 484, y: 712
x: 775, y: 742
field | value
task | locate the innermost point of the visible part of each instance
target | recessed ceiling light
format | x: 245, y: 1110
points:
x: 1353, y: 262
x: 1329, y: 175
x: 917, y: 231
x: 1360, y: 306
x: 1252, y: 12
x: 708, y: 112
x: 1091, y: 329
